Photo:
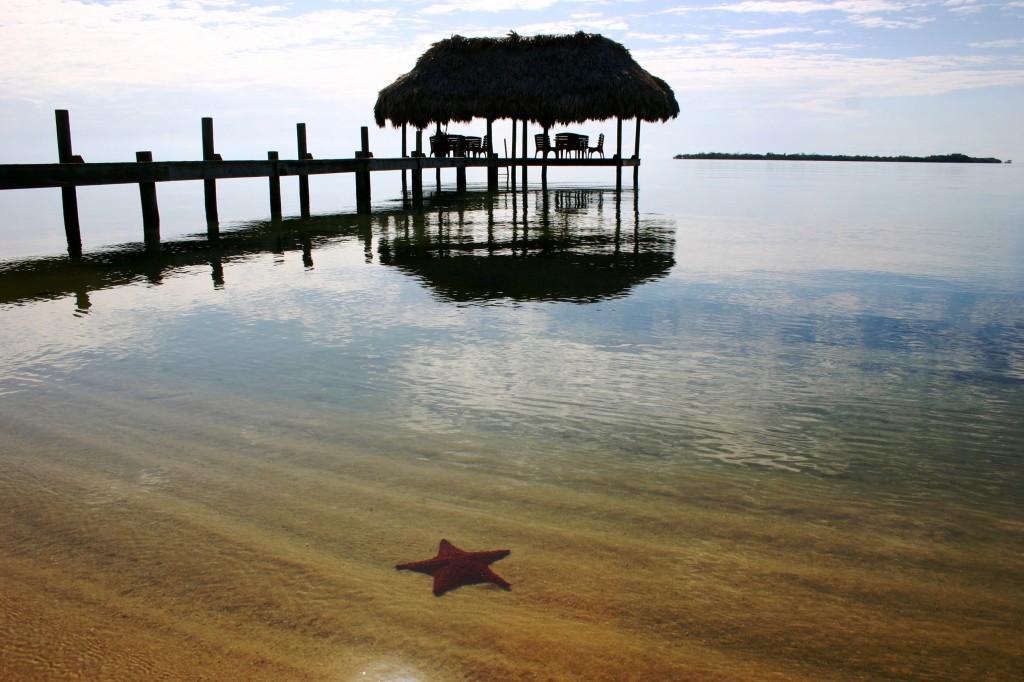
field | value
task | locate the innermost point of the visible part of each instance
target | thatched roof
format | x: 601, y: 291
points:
x: 546, y: 79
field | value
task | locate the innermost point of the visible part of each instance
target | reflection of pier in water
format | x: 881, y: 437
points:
x: 465, y: 246
x: 574, y: 246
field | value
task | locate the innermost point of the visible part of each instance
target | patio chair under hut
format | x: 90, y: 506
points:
x: 545, y: 79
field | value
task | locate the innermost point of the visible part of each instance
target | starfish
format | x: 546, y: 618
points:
x: 453, y: 567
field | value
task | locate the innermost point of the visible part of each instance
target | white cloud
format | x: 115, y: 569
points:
x: 765, y: 32
x: 192, y: 46
x: 466, y: 6
x: 798, y: 7
x: 1008, y: 43
x: 816, y: 81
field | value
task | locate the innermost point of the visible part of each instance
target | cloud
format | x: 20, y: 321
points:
x: 799, y: 7
x: 998, y: 44
x: 765, y: 32
x: 708, y: 76
x: 193, y: 46
x: 466, y: 6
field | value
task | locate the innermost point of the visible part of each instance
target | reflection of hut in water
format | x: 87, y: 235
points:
x: 574, y: 247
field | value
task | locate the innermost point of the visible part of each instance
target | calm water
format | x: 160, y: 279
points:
x: 752, y: 421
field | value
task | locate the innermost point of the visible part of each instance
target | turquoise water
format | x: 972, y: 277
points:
x: 854, y: 328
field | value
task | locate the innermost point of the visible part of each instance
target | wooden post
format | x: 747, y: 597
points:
x: 405, y: 186
x: 363, y: 176
x: 544, y: 168
x: 150, y: 209
x: 69, y: 195
x: 513, y: 171
x: 636, y: 155
x: 209, y: 186
x: 460, y: 177
x: 300, y: 134
x: 417, y: 174
x: 618, y: 155
x: 492, y: 171
x: 275, y: 186
x: 524, y: 154
x: 437, y: 172
x: 460, y: 170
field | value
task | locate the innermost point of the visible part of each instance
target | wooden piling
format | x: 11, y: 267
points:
x: 300, y: 133
x: 636, y: 153
x: 417, y: 174
x: 275, y: 186
x: 512, y: 166
x: 405, y: 186
x: 618, y: 154
x: 363, y: 176
x: 524, y: 154
x: 69, y: 195
x: 492, y: 171
x: 209, y: 185
x: 150, y: 209
x: 460, y: 179
x: 544, y: 168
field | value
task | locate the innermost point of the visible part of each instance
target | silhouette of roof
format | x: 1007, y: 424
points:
x: 547, y: 79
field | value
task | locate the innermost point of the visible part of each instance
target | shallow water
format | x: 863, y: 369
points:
x: 753, y: 421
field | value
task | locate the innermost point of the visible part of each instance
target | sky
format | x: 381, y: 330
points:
x: 878, y: 77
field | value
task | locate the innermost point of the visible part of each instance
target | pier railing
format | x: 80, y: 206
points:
x: 73, y: 171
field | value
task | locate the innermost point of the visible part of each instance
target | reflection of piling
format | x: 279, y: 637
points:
x: 69, y: 196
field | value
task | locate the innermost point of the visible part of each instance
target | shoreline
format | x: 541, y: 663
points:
x: 938, y: 158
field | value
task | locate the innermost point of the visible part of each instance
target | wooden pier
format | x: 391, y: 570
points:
x: 72, y: 171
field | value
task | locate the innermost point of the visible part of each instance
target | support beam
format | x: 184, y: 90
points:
x: 209, y: 185
x: 417, y: 174
x: 363, y: 176
x: 274, y: 180
x: 525, y: 153
x: 405, y: 153
x: 513, y: 170
x: 636, y: 154
x: 69, y: 195
x: 492, y: 171
x: 544, y: 168
x: 618, y: 154
x: 300, y: 133
x: 150, y: 209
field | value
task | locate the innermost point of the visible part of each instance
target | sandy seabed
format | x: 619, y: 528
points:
x: 193, y: 539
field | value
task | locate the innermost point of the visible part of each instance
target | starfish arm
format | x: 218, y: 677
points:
x: 488, y: 557
x: 426, y: 566
x: 466, y: 572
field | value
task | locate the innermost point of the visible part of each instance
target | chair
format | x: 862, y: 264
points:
x: 438, y: 145
x: 599, y: 149
x: 474, y: 146
x: 543, y: 143
x: 563, y: 143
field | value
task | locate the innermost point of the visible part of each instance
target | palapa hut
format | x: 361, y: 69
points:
x: 547, y: 79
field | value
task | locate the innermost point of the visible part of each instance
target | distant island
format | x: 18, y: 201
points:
x: 940, y: 158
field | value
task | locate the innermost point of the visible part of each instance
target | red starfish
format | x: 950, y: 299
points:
x: 453, y: 567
